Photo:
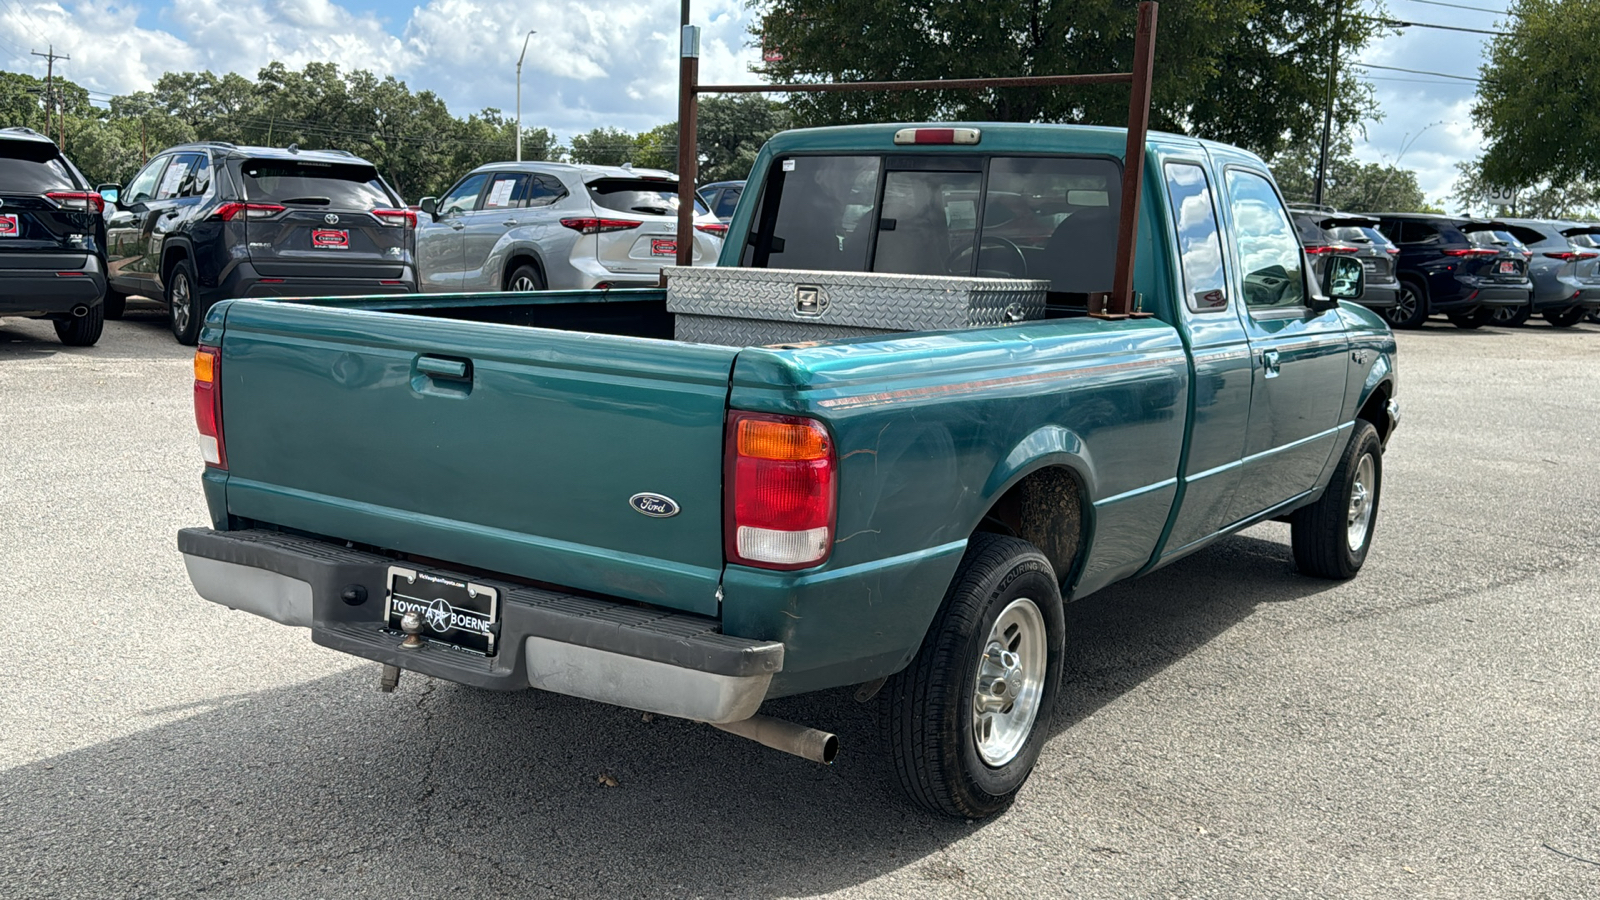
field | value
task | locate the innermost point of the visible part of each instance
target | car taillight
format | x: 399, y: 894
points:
x: 716, y: 228
x: 781, y: 482
x: 228, y: 211
x: 1393, y: 250
x: 599, y: 226
x: 1569, y: 255
x: 208, y: 406
x: 404, y: 217
x: 1332, y: 248
x: 88, y: 201
x: 1473, y: 251
x: 938, y: 136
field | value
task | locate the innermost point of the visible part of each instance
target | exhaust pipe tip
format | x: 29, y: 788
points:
x: 808, y: 743
x: 80, y: 311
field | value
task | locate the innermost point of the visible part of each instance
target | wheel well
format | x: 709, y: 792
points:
x: 1047, y: 509
x: 170, y: 259
x: 519, y: 259
x: 1416, y: 281
x: 1376, y: 411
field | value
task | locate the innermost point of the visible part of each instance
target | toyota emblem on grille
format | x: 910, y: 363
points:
x: 331, y: 219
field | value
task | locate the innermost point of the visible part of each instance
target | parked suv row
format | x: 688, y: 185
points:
x: 208, y: 221
x: 52, y: 239
x: 1326, y: 233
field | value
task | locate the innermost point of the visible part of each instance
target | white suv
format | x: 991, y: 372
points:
x: 532, y: 226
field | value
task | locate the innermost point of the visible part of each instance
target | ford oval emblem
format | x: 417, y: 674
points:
x: 656, y: 506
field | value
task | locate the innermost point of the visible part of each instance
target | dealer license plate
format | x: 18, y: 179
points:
x: 453, y: 612
x: 1508, y: 267
x: 664, y: 246
x: 9, y: 226
x: 330, y: 239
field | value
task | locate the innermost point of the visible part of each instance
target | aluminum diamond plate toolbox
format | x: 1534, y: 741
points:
x: 825, y: 305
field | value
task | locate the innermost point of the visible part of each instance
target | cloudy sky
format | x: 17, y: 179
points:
x: 612, y: 62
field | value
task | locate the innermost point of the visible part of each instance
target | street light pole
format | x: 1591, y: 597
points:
x: 519, y: 91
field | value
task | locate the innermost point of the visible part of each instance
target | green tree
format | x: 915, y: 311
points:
x: 604, y: 147
x: 1542, y: 200
x: 1350, y: 184
x: 1249, y: 72
x: 1535, y: 105
x: 731, y: 132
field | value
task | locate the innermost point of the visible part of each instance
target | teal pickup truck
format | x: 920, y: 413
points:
x: 548, y: 490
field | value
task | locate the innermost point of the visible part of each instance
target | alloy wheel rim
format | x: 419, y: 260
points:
x: 1009, y: 687
x: 1405, y: 306
x: 522, y: 283
x: 1362, y: 501
x: 1503, y: 314
x: 180, y: 303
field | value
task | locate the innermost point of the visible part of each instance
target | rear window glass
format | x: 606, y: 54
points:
x: 636, y: 195
x: 1051, y: 218
x: 1310, y: 232
x: 33, y: 167
x: 1493, y: 239
x: 333, y: 185
x: 1351, y: 234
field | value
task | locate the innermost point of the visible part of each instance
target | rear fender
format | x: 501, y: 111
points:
x: 500, y: 259
x: 1047, y: 447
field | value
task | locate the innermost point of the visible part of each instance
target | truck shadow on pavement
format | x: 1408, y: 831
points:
x: 329, y: 787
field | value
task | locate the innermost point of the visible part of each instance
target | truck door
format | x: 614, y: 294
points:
x: 1222, y: 372
x: 1298, y: 356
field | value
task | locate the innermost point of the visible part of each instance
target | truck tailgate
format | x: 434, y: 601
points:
x: 514, y: 450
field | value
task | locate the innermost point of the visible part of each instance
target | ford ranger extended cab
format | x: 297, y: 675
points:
x: 549, y: 490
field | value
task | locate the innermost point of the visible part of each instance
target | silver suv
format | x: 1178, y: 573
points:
x: 532, y: 226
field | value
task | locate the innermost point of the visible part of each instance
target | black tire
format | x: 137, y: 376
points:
x: 1478, y: 318
x: 1512, y: 316
x: 1564, y: 318
x: 84, y: 330
x: 1410, y: 309
x: 116, y: 303
x: 525, y: 277
x: 928, y: 706
x: 1594, y: 316
x: 186, y: 311
x: 1322, y: 533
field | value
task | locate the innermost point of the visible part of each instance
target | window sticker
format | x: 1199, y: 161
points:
x: 788, y: 165
x: 500, y: 193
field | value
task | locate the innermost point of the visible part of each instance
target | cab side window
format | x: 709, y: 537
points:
x: 1199, y: 243
x: 142, y: 188
x: 198, y: 179
x: 177, y: 173
x: 1417, y: 233
x: 464, y: 196
x: 1264, y: 243
x: 505, y: 191
x: 544, y: 190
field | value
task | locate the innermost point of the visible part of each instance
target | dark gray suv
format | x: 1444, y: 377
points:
x: 52, y: 239
x: 209, y: 221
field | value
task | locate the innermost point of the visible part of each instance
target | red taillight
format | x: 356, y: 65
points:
x: 716, y: 228
x: 228, y: 211
x: 1473, y: 251
x: 208, y: 406
x: 1568, y: 255
x: 781, y: 479
x: 1393, y: 250
x: 403, y: 217
x: 88, y: 201
x: 599, y: 226
x: 938, y: 136
x: 1332, y: 248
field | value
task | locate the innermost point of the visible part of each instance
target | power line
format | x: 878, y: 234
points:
x: 1401, y: 23
x: 1497, y: 12
x: 1416, y: 72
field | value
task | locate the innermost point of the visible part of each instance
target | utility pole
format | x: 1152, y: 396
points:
x: 1327, y: 110
x: 688, y: 112
x: 49, y: 89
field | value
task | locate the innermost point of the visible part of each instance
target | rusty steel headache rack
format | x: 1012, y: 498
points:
x: 1118, y: 304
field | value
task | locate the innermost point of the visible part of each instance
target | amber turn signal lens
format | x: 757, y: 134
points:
x: 760, y: 439
x: 205, y: 365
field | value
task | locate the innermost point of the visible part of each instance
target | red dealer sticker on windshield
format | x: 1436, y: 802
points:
x: 330, y: 239
x: 8, y: 225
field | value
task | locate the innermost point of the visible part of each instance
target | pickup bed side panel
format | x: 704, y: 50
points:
x: 513, y: 450
x: 923, y: 425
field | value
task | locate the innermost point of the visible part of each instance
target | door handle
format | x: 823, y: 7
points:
x: 1269, y: 362
x: 510, y: 223
x: 440, y: 367
x: 457, y: 226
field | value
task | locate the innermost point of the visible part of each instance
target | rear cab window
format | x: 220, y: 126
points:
x: 305, y: 183
x: 1044, y: 217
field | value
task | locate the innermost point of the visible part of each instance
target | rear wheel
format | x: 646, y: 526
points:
x: 525, y: 277
x: 1475, y: 319
x: 84, y: 330
x: 1331, y: 537
x: 1565, y: 318
x: 116, y: 303
x: 1410, y: 308
x: 967, y: 719
x: 185, y: 310
x: 1512, y: 316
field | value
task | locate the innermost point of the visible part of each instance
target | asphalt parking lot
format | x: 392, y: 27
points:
x: 1231, y: 729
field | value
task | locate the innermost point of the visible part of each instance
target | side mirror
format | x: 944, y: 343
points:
x: 1344, y: 278
x: 110, y: 192
x: 430, y: 205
